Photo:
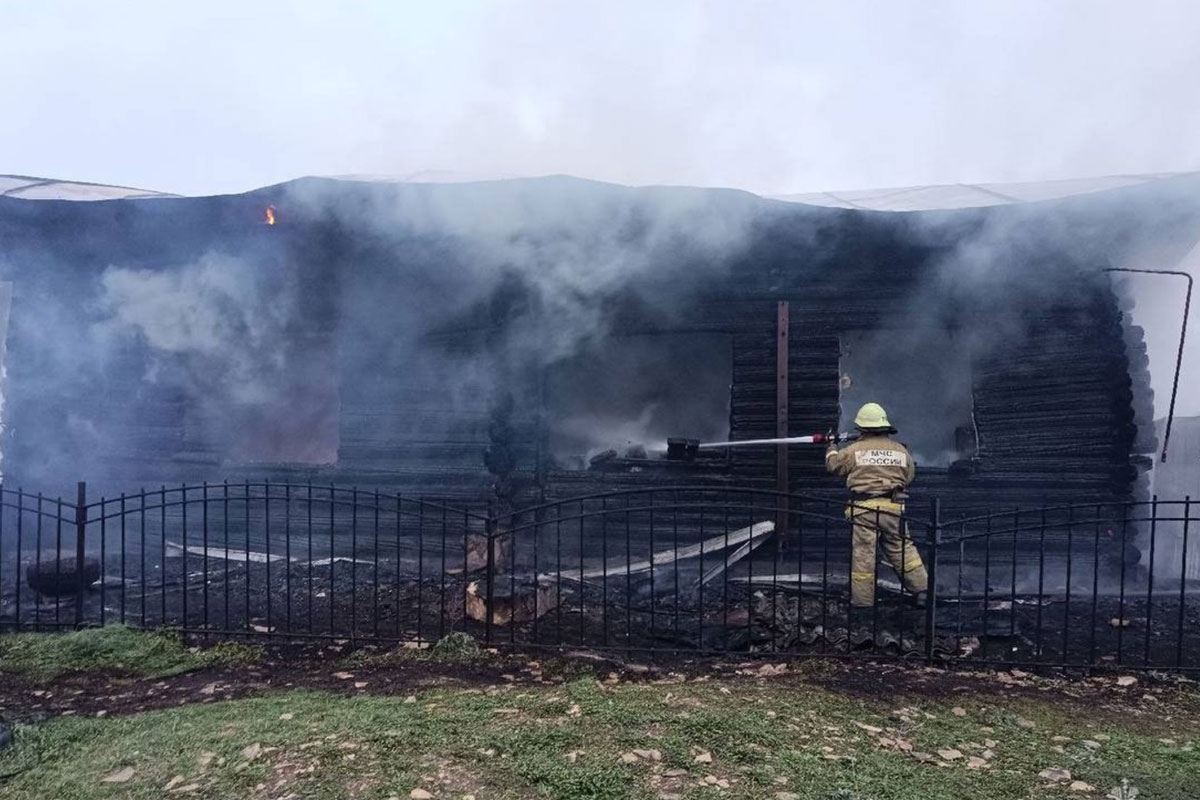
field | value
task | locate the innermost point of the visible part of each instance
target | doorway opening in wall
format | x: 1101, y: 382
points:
x: 922, y: 380
x: 630, y: 393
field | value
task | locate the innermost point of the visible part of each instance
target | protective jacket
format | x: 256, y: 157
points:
x: 873, y: 466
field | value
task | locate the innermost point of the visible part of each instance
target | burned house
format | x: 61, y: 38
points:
x: 469, y: 358
x: 489, y: 341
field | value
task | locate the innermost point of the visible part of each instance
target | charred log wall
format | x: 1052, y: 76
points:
x: 1055, y: 401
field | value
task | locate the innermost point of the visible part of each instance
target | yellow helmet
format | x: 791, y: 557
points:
x: 872, y: 417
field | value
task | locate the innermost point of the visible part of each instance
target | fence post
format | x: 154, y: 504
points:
x: 934, y: 539
x: 782, y: 406
x: 490, y: 542
x: 80, y: 533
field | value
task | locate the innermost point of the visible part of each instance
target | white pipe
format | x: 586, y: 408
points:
x: 814, y: 439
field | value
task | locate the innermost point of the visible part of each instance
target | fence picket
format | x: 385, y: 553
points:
x: 729, y: 591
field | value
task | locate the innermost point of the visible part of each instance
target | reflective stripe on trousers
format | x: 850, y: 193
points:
x: 872, y: 520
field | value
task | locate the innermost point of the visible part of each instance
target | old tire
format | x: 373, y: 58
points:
x: 57, y: 579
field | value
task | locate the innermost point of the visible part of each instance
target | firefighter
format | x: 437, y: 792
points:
x: 878, y: 470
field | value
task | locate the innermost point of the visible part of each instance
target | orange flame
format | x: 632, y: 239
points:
x: 270, y: 215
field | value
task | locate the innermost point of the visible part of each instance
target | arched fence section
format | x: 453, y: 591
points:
x: 692, y: 569
x: 304, y: 561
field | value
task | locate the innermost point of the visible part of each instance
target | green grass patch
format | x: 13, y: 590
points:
x: 453, y: 648
x: 114, y: 649
x: 456, y: 648
x: 754, y: 739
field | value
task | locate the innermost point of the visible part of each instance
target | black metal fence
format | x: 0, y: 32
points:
x: 689, y: 569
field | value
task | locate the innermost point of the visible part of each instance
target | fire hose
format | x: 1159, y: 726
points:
x: 686, y: 449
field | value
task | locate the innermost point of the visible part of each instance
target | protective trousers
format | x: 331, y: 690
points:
x: 873, y: 519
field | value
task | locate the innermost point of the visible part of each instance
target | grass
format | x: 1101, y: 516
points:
x: 567, y: 741
x: 114, y: 649
x: 456, y: 648
x: 453, y: 648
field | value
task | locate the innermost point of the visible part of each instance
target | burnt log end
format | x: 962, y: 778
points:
x: 477, y: 551
x: 522, y: 601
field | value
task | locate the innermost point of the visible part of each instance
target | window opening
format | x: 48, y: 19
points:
x: 924, y: 385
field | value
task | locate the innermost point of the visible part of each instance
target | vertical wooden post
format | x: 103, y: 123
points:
x: 781, y: 415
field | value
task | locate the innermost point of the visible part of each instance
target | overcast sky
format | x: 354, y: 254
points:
x: 773, y: 97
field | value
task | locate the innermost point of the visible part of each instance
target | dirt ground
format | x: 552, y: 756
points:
x: 336, y: 667
x: 330, y: 721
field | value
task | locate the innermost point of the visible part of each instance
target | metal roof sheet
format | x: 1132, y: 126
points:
x: 969, y: 195
x: 904, y: 198
x: 29, y: 188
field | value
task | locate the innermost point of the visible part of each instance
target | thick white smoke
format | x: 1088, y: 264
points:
x: 217, y: 314
x: 537, y: 273
x: 226, y: 333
